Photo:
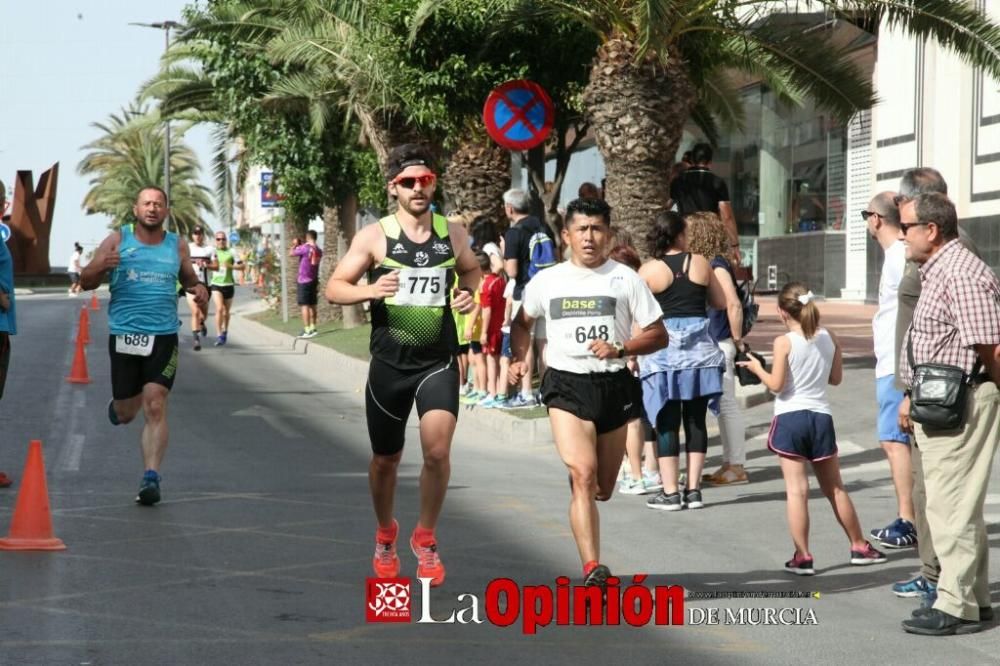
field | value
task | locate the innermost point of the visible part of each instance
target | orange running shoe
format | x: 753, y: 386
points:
x: 386, y: 562
x: 428, y: 563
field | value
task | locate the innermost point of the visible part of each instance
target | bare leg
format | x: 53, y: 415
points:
x: 576, y: 442
x: 902, y: 476
x: 226, y: 305
x: 649, y: 456
x: 195, y: 314
x: 436, y: 430
x: 492, y: 363
x: 220, y: 312
x: 126, y: 410
x: 633, y: 448
x: 797, y: 501
x: 828, y: 475
x: 382, y: 483
x: 154, y: 431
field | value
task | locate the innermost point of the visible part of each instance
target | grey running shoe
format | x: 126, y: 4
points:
x: 665, y: 502
x: 692, y: 498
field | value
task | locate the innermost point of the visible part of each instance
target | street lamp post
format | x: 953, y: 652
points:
x: 165, y: 26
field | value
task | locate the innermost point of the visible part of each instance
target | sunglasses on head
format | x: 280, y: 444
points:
x: 409, y: 182
x: 865, y: 214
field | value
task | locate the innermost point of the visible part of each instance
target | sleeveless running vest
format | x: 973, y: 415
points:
x: 223, y: 277
x: 414, y: 329
x: 144, y: 286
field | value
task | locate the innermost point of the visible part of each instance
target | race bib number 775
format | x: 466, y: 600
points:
x: 421, y: 286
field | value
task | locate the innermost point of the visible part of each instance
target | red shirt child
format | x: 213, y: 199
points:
x: 492, y: 301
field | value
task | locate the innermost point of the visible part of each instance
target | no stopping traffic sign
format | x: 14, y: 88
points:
x: 518, y: 115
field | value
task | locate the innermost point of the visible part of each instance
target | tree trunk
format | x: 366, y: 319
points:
x: 550, y: 192
x: 638, y: 111
x: 354, y: 315
x: 476, y: 177
x: 332, y: 233
x: 292, y: 227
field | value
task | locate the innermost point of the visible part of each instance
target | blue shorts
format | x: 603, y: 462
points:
x: 889, y: 399
x: 803, y: 434
x: 505, y: 346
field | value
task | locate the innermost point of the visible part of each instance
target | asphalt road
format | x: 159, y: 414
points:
x: 259, y: 552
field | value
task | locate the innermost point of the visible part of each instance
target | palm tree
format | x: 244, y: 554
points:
x: 129, y: 156
x: 663, y: 62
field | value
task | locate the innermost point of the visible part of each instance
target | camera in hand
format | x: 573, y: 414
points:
x: 744, y: 375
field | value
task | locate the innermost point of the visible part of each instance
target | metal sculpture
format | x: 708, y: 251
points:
x: 31, y: 221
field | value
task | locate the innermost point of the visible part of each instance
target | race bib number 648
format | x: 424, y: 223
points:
x: 135, y: 344
x: 576, y: 322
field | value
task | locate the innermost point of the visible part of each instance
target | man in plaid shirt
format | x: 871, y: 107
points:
x: 956, y: 322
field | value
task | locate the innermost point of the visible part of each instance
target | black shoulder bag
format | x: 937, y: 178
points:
x: 937, y: 397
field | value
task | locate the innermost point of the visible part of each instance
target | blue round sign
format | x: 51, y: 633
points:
x: 234, y: 237
x: 4, y: 232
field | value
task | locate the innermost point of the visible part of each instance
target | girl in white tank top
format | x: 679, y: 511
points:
x: 806, y: 360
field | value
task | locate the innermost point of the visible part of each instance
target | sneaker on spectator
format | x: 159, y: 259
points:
x: 520, y: 402
x: 901, y: 534
x: 867, y: 555
x: 878, y: 533
x: 472, y: 398
x: 692, y: 498
x: 487, y: 402
x: 665, y: 502
x: 651, y: 481
x: 800, y: 565
x: 915, y: 587
x: 499, y: 402
x: 630, y: 486
x: 464, y: 389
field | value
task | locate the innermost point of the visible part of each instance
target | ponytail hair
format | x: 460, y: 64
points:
x: 798, y: 302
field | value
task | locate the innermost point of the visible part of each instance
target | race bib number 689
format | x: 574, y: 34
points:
x: 135, y: 344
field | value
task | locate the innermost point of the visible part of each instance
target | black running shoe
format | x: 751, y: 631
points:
x: 149, y: 489
x: 197, y: 341
x: 204, y: 329
x: 598, y: 576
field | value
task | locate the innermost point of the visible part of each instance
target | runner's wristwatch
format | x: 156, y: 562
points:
x: 620, y: 348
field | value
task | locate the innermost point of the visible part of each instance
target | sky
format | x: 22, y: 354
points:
x: 65, y: 64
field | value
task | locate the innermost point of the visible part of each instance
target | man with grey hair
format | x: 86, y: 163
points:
x: 526, y: 233
x: 922, y: 180
x: 882, y: 218
x: 956, y: 323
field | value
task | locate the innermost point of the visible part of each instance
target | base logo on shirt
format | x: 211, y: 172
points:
x: 590, y: 306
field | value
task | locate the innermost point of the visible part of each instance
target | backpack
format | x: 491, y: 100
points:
x: 541, y: 252
x: 744, y: 290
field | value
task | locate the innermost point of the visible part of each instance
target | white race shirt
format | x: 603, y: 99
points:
x: 884, y: 322
x: 201, y: 252
x: 584, y: 304
x: 74, y: 263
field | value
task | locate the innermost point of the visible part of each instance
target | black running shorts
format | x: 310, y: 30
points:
x: 608, y: 399
x: 390, y: 394
x: 227, y: 291
x: 130, y: 373
x: 306, y: 293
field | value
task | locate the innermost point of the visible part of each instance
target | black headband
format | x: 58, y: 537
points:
x: 396, y: 169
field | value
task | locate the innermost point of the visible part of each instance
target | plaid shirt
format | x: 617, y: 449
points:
x: 959, y: 307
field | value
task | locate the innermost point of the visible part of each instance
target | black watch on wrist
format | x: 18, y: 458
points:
x: 620, y: 347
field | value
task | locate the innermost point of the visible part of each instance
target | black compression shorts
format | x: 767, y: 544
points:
x: 608, y: 399
x: 130, y: 373
x: 227, y: 291
x: 390, y: 394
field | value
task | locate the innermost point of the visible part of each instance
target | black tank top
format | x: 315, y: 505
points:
x: 683, y: 298
x: 415, y: 329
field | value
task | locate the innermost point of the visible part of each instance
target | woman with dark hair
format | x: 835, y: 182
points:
x: 485, y: 238
x: 679, y: 382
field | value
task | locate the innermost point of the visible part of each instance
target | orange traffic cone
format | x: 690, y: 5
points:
x: 31, y: 528
x: 93, y: 301
x: 83, y: 332
x: 78, y: 374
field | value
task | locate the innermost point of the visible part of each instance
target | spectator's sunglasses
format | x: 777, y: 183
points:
x: 906, y: 227
x: 197, y: 232
x: 865, y: 214
x: 220, y: 238
x: 409, y: 181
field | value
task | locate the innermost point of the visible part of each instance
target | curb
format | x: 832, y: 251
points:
x: 471, y: 421
x: 509, y: 429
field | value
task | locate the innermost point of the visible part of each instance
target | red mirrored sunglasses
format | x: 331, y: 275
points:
x: 410, y: 181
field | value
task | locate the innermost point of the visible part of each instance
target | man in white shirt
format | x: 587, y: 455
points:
x: 882, y: 218
x: 589, y: 305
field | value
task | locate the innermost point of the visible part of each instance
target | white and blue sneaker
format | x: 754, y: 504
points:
x: 519, y: 401
x: 916, y: 587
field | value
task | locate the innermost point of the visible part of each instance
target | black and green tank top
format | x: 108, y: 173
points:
x: 414, y: 329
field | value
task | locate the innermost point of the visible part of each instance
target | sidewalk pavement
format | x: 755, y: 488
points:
x: 850, y: 321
